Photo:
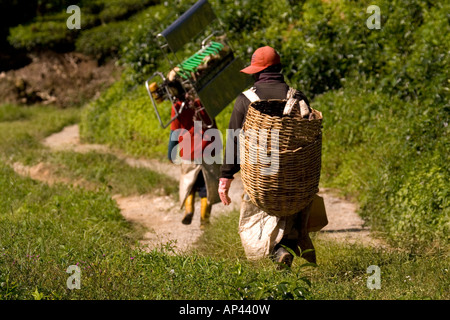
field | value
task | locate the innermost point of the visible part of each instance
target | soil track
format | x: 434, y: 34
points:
x: 161, y: 215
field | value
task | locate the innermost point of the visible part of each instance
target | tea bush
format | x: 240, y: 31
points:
x: 50, y: 31
x: 114, y: 10
x: 381, y: 153
x: 140, y: 52
x: 50, y: 34
x: 104, y: 40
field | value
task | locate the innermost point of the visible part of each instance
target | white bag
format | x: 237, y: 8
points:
x: 259, y: 231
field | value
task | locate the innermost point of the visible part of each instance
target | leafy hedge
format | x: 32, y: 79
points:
x: 380, y: 153
x: 50, y: 31
x: 131, y: 40
x: 52, y: 34
x: 104, y: 40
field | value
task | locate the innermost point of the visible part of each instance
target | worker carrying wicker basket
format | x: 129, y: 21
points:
x: 280, y: 144
x: 290, y: 132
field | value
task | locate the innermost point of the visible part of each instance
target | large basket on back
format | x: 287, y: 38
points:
x: 280, y: 176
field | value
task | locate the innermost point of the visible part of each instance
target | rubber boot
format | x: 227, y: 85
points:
x: 189, y: 207
x: 205, y: 211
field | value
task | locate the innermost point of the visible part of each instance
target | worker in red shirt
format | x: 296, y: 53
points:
x: 197, y: 176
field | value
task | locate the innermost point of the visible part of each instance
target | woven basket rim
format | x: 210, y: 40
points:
x: 251, y: 105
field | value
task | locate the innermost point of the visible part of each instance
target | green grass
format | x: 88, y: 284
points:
x: 23, y: 128
x: 341, y: 272
x: 225, y: 241
x: 45, y: 229
x: 111, y: 173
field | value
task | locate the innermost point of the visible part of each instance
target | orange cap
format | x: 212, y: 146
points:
x: 262, y: 58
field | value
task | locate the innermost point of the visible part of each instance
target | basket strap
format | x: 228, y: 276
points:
x: 251, y: 94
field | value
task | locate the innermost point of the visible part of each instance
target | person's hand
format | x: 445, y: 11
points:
x: 224, y: 187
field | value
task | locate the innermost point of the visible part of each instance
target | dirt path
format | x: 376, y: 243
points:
x: 161, y: 215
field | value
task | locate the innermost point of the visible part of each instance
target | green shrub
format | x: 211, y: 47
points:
x: 427, y: 65
x: 120, y: 9
x: 48, y: 34
x: 132, y: 40
x: 17, y: 12
x: 140, y: 53
x: 390, y: 154
x: 104, y: 40
x: 50, y: 31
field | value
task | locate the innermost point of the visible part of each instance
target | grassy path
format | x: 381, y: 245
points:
x: 77, y: 217
x: 161, y: 215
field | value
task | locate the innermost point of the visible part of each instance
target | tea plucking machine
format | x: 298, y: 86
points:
x: 211, y: 74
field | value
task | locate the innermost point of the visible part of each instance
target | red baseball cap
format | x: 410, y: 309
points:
x: 262, y: 58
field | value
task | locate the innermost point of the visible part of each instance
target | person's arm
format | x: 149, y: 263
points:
x: 231, y: 162
x: 173, y: 143
x: 173, y: 136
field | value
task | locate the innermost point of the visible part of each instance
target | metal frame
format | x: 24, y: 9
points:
x: 188, y: 26
x: 161, y: 75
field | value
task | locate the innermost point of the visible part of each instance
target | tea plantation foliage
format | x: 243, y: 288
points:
x: 383, y: 92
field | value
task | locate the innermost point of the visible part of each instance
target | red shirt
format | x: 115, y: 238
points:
x: 185, y: 120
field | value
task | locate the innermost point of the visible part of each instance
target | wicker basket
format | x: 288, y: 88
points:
x: 287, y: 183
